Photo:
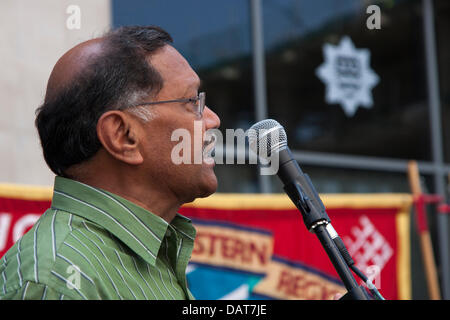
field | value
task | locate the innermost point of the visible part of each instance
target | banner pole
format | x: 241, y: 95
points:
x: 424, y: 233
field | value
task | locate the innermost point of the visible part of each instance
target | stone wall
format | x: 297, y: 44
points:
x: 34, y: 35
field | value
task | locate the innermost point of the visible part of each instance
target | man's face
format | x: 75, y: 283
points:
x: 186, y: 181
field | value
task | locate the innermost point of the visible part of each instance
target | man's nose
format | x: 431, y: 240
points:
x: 212, y: 120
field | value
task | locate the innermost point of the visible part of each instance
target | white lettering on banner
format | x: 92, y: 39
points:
x: 5, y: 222
x: 23, y: 224
x: 369, y: 248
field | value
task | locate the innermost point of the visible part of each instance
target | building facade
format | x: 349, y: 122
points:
x: 261, y: 59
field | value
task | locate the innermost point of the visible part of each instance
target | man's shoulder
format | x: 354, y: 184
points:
x: 47, y: 239
x: 56, y: 255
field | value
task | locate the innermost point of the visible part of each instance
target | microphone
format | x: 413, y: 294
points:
x: 268, y: 140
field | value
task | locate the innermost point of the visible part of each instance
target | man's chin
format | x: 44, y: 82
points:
x: 208, y: 186
x: 203, y: 192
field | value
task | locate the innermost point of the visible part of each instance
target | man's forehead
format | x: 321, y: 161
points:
x: 173, y: 67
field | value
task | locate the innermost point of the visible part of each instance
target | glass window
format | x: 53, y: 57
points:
x: 396, y: 126
x: 217, y: 46
x: 214, y: 36
x: 237, y: 178
x: 340, y: 180
x: 442, y: 25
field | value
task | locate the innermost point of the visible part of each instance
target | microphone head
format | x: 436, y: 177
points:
x: 266, y: 137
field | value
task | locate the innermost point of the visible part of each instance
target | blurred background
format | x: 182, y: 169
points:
x: 258, y: 59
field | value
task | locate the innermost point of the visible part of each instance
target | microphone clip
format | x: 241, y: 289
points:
x: 312, y: 214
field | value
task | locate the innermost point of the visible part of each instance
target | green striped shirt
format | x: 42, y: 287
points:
x: 92, y: 244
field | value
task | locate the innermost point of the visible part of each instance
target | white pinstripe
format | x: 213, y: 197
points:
x: 25, y: 290
x: 53, y: 235
x: 179, y: 248
x: 19, y: 263
x: 128, y: 210
x: 44, y: 294
x: 35, y: 253
x: 90, y: 263
x: 94, y: 233
x: 81, y: 254
x: 114, y: 285
x: 187, y: 236
x: 137, y: 269
x: 156, y: 283
x: 160, y: 277
x: 4, y: 282
x: 71, y: 263
x: 109, y: 261
x: 70, y: 222
x: 110, y: 217
x: 3, y: 273
x: 123, y: 266
x: 170, y: 266
x: 60, y: 277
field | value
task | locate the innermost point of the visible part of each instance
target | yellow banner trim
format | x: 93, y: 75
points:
x: 244, y: 201
x: 26, y: 192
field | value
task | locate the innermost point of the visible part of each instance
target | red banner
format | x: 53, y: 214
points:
x: 20, y: 207
x: 261, y: 246
x: 265, y: 235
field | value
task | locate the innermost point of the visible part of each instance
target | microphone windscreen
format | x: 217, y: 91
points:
x: 267, y: 136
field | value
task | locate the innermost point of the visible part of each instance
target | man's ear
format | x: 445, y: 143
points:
x: 118, y: 134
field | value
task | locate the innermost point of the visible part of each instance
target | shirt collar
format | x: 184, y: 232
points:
x: 141, y: 230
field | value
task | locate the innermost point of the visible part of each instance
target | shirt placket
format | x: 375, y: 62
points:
x: 183, y: 247
x: 170, y: 245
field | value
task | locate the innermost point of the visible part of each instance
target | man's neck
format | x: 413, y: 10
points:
x: 154, y: 200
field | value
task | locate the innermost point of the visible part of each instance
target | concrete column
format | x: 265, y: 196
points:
x: 35, y: 35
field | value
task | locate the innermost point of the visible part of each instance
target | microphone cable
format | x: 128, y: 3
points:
x: 351, y: 263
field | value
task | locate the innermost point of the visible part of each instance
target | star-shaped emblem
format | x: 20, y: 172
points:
x: 347, y: 75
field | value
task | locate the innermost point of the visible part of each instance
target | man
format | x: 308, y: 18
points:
x: 113, y: 231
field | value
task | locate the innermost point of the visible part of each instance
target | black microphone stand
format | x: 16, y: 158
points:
x: 303, y: 194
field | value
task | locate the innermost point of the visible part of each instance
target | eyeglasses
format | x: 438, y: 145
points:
x: 198, y: 103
